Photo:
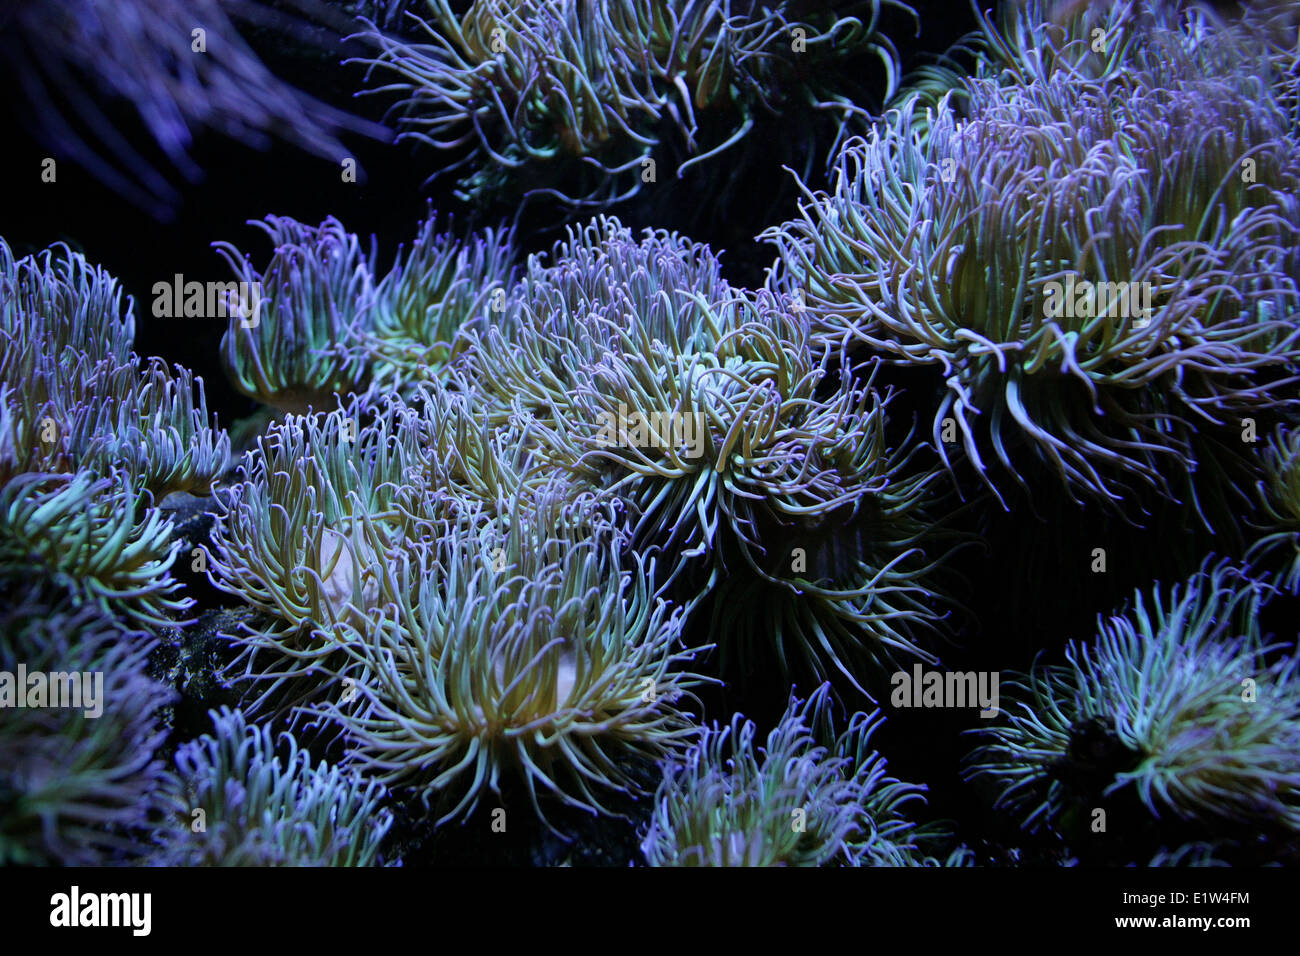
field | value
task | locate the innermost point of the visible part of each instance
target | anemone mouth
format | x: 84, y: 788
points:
x: 512, y: 645
x: 349, y: 590
x: 1095, y: 756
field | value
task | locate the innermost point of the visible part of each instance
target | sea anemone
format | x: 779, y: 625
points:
x: 235, y: 801
x: 434, y: 289
x: 570, y: 309
x: 75, y: 781
x: 796, y: 802
x: 288, y: 537
x: 515, y: 651
x: 467, y: 458
x: 514, y: 81
x: 299, y: 345
x: 1096, y: 275
x: 1279, y: 492
x: 144, y: 419
x: 77, y: 398
x: 1177, y: 703
x: 56, y: 300
x: 81, y: 532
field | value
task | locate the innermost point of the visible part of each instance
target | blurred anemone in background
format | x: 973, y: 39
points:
x: 1101, y: 271
x: 574, y: 101
x: 1176, y: 702
x: 235, y: 801
x: 74, y: 788
x: 796, y: 802
x: 73, y: 59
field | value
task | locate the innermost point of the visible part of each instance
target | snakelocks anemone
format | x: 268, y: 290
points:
x: 736, y: 453
x: 577, y: 102
x: 513, y: 652
x: 1177, y: 703
x: 78, y: 737
x: 795, y: 802
x: 235, y: 801
x: 1097, y: 269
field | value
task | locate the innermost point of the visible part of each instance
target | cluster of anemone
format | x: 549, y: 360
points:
x: 79, y: 399
x: 92, y: 438
x: 799, y: 801
x: 182, y: 66
x: 511, y: 651
x: 739, y: 457
x: 77, y: 752
x: 1178, y: 706
x: 321, y: 500
x: 1101, y: 270
x: 463, y: 624
x: 575, y: 102
x: 494, y: 503
x: 235, y: 800
x: 318, y: 324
